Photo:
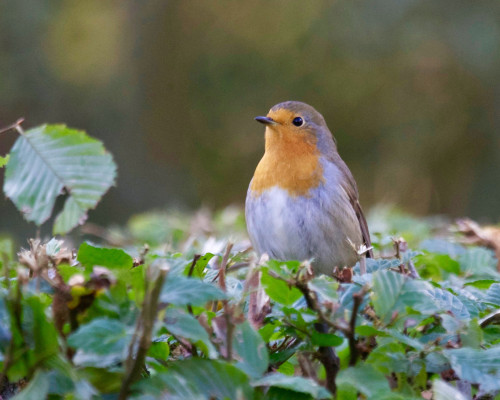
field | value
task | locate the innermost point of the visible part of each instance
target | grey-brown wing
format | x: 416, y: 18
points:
x: 363, y: 225
x: 352, y: 191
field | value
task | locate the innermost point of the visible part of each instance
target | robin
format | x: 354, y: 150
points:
x: 302, y: 201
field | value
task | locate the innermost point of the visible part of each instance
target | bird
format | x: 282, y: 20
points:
x: 302, y: 202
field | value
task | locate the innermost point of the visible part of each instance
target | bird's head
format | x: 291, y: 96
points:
x: 296, y: 122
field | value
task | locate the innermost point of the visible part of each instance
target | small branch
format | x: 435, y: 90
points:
x: 16, y: 125
x: 357, y: 299
x: 327, y: 355
x: 146, y: 321
x: 142, y: 256
x: 193, y: 264
x: 190, y: 274
x: 413, y: 271
x: 228, y: 311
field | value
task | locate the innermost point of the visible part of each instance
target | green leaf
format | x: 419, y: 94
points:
x: 200, y: 265
x: 89, y: 256
x: 442, y: 246
x: 493, y: 294
x: 326, y: 339
x: 389, y: 358
x: 44, y: 331
x: 50, y: 159
x: 294, y: 383
x: 4, y: 160
x: 181, y: 291
x: 481, y: 284
x: 251, y: 349
x: 325, y: 287
x: 448, y: 302
x: 436, y: 362
x: 387, y: 287
x: 159, y: 350
x: 180, y: 323
x: 198, y: 378
x: 368, y: 330
x: 102, y: 342
x: 365, y: 379
x: 480, y: 262
x: 37, y: 389
x: 377, y: 264
x: 480, y: 367
x: 278, y: 290
x: 444, y: 391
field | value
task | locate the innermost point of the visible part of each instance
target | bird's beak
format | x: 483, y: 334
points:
x: 266, y: 120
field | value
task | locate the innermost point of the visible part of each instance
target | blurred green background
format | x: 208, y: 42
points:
x: 410, y: 89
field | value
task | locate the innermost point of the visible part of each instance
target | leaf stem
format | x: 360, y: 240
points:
x: 16, y: 125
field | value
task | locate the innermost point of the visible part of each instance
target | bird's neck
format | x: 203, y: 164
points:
x: 291, y: 162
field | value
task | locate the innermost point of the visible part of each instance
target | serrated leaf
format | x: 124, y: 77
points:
x: 442, y: 246
x: 444, y: 391
x: 101, y: 342
x: 294, y: 383
x: 37, y: 388
x: 89, y: 256
x: 50, y: 159
x: 480, y: 262
x: 401, y: 337
x: 493, y: 294
x: 325, y: 287
x: 436, y: 362
x: 182, y: 324
x: 198, y: 379
x: 480, y: 367
x: 377, y: 264
x: 251, y: 349
x: 278, y: 290
x: 181, y: 291
x: 448, y: 302
x: 365, y: 379
x: 387, y: 287
x: 388, y: 358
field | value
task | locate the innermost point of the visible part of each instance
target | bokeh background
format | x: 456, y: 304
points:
x: 410, y: 89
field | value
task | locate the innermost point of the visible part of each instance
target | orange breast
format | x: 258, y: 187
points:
x: 291, y: 162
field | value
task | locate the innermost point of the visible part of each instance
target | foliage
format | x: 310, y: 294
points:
x: 213, y: 321
x: 50, y: 160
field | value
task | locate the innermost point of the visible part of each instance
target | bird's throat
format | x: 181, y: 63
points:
x: 291, y: 162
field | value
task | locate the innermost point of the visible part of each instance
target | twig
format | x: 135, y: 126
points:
x: 193, y: 264
x: 147, y: 318
x: 142, y: 256
x: 357, y: 299
x: 190, y: 274
x: 413, y: 271
x: 317, y: 309
x: 16, y: 125
x: 227, y: 310
x: 327, y: 355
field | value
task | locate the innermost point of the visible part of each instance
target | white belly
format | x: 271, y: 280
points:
x: 300, y: 228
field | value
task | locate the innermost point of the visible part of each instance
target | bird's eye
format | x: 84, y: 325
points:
x: 297, y: 121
